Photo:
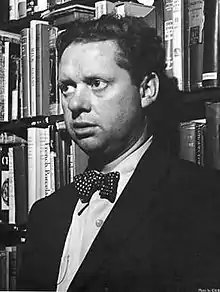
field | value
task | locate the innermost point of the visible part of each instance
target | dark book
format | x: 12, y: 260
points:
x: 168, y: 36
x: 3, y: 276
x: 192, y: 136
x: 212, y: 152
x: 196, y: 42
x: 210, y: 75
x: 21, y: 183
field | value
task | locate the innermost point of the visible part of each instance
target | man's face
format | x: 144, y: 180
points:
x: 102, y: 108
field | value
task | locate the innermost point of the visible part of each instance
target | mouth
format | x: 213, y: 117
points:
x: 83, y: 129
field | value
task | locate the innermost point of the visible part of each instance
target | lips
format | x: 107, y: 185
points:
x: 83, y: 129
x: 79, y: 125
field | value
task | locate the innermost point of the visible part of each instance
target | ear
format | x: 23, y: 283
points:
x: 149, y: 89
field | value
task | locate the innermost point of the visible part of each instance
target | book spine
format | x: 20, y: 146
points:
x: 200, y: 144
x: 22, y: 8
x: 52, y: 157
x: 168, y: 36
x: 12, y: 268
x: 63, y: 160
x: 2, y: 80
x: 210, y: 75
x: 6, y: 81
x: 42, y: 69
x: 196, y: 42
x: 33, y: 54
x: 41, y: 170
x: 103, y: 7
x: 4, y: 183
x: 188, y: 141
x: 2, y: 269
x: 32, y: 166
x: 57, y: 159
x: 47, y: 162
x: 13, y: 10
x: 11, y: 187
x: 21, y: 185
x: 26, y: 72
x: 212, y: 134
x: 54, y: 102
x: 14, y: 78
x: 72, y: 160
x: 7, y: 265
x: 180, y: 44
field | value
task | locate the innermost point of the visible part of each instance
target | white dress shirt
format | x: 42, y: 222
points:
x: 85, y: 227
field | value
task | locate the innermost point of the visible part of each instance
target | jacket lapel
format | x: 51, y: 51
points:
x: 133, y: 204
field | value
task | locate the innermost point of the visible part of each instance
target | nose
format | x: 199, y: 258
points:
x: 80, y: 101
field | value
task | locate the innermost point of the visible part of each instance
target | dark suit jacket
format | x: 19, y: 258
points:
x: 162, y: 235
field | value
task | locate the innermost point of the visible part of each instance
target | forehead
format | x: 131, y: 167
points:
x: 90, y: 57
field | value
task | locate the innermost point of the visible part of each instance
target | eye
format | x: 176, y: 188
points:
x: 97, y: 84
x: 67, y: 89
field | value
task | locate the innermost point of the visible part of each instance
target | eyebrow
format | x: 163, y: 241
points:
x: 66, y: 82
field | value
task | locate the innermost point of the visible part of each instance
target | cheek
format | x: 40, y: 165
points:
x: 120, y: 116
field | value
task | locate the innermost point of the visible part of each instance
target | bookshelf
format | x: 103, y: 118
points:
x: 189, y: 105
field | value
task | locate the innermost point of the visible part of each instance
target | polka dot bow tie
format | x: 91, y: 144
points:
x: 90, y: 181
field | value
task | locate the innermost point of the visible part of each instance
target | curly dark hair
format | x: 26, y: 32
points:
x: 140, y: 49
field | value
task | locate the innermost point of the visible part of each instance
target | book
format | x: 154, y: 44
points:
x: 168, y: 36
x: 36, y: 62
x: 47, y: 166
x: 33, y: 6
x: 9, y: 73
x: 42, y: 68
x: 4, y: 191
x: 12, y: 250
x: 38, y: 164
x: 33, y: 139
x: 192, y: 137
x: 14, y: 80
x: 180, y: 44
x: 196, y: 42
x: 133, y: 9
x: 54, y: 95
x: 22, y: 8
x: 4, y: 11
x: 3, y: 276
x: 13, y: 10
x: 10, y: 139
x: 11, y: 186
x: 52, y: 130
x: 26, y: 73
x: 212, y: 113
x: 103, y: 7
x: 21, y: 183
x: 65, y: 13
x: 210, y: 75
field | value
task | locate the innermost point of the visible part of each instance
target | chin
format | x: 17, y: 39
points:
x: 91, y: 148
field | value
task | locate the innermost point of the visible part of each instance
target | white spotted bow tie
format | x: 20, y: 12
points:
x: 90, y: 181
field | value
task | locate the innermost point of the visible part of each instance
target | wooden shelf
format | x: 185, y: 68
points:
x: 191, y: 105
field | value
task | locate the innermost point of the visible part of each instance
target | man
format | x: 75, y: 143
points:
x: 161, y: 231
